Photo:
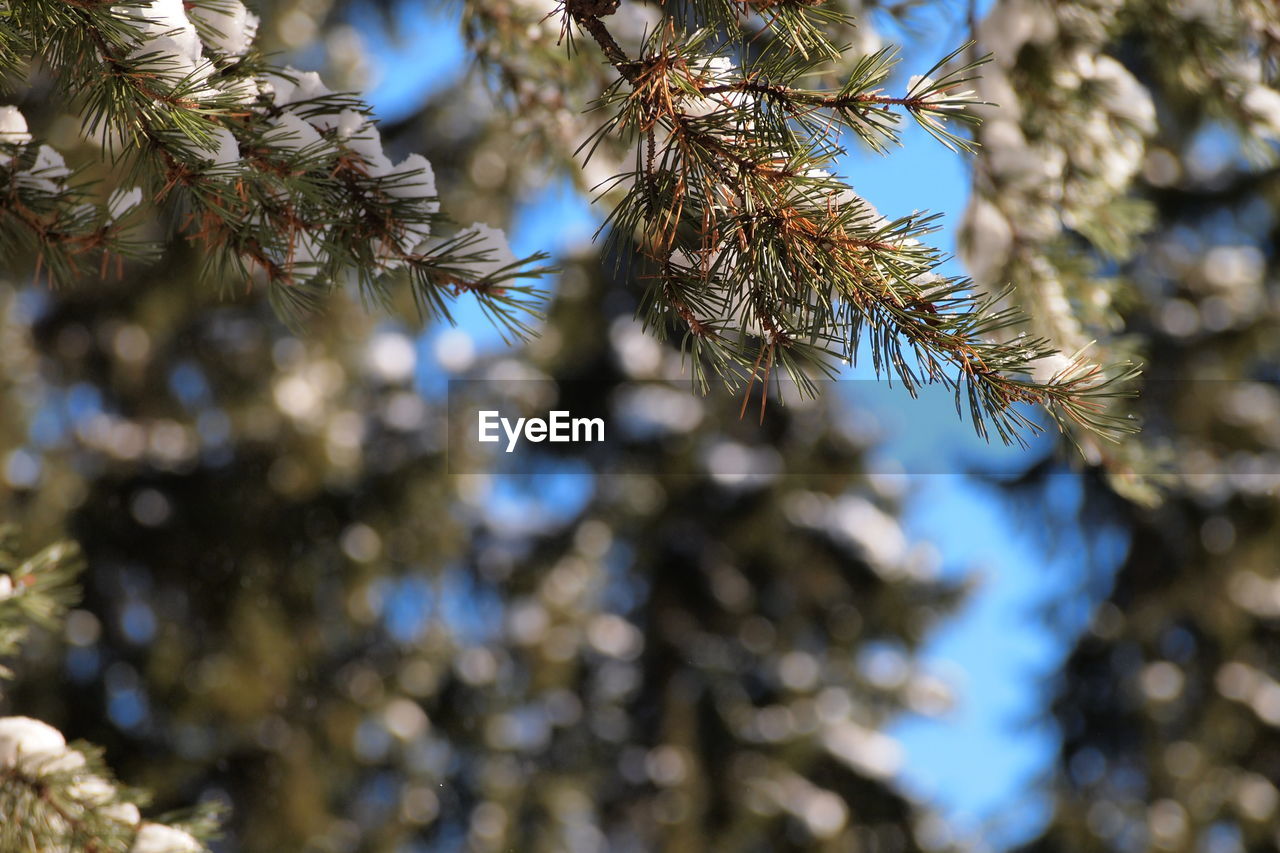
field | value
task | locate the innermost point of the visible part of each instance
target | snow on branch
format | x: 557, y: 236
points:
x: 60, y: 796
x: 278, y: 177
x: 56, y: 796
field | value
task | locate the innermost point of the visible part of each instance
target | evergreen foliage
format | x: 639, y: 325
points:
x: 1100, y: 105
x: 1167, y: 703
x: 757, y: 257
x: 760, y: 259
x: 34, y: 591
x: 290, y: 608
x: 275, y: 177
x: 57, y: 796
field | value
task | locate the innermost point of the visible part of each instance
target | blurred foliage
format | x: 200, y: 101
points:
x: 290, y: 606
x: 1169, y: 703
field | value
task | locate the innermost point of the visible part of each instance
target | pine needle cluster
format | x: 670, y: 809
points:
x: 761, y: 259
x: 55, y: 795
x: 277, y: 179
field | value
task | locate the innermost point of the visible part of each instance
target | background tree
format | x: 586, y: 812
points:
x: 1154, y: 231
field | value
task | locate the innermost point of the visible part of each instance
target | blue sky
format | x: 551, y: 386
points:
x: 976, y: 764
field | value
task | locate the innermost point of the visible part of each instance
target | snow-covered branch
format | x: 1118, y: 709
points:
x: 282, y: 179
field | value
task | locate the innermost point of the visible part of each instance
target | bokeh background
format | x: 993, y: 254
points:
x: 852, y: 627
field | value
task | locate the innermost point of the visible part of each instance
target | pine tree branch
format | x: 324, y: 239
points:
x: 294, y: 187
x: 777, y: 239
x: 588, y: 14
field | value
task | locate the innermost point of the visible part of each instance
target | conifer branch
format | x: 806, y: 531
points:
x: 764, y: 257
x: 280, y: 179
